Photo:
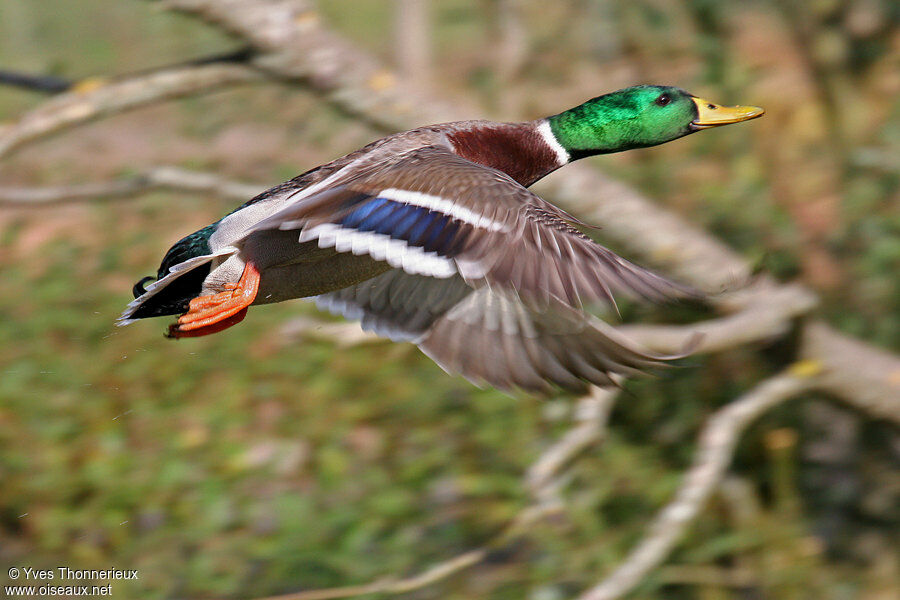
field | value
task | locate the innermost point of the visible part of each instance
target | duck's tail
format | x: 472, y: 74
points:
x: 171, y: 294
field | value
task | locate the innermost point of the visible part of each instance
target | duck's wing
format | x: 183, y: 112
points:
x: 488, y: 335
x: 431, y: 212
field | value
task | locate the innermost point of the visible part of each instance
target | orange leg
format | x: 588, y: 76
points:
x: 213, y: 313
x: 176, y: 332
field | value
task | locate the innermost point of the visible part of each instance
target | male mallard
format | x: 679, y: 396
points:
x: 431, y: 236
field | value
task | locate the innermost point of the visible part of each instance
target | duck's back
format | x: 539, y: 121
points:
x: 185, y: 268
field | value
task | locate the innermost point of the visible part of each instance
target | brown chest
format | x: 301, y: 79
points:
x: 516, y: 149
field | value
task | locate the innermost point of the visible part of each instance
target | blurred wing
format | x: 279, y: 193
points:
x: 395, y: 304
x: 489, y: 335
x: 430, y: 212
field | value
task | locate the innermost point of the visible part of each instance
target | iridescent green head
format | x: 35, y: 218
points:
x: 637, y: 117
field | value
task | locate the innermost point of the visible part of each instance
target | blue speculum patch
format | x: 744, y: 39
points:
x: 428, y: 229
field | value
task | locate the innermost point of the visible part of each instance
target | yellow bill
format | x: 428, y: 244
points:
x: 710, y: 114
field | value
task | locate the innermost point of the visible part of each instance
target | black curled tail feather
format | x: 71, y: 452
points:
x: 138, y: 289
x: 175, y: 297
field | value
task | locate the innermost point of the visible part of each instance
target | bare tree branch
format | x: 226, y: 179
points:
x: 391, y: 585
x: 294, y: 45
x: 52, y: 84
x: 704, y: 575
x: 863, y: 376
x: 47, y: 84
x: 716, y: 446
x: 592, y: 415
x: 100, y: 98
x: 510, y: 47
x: 764, y: 312
x: 412, y: 40
x: 35, y: 197
x: 158, y: 178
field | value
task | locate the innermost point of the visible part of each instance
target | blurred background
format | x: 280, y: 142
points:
x: 258, y: 462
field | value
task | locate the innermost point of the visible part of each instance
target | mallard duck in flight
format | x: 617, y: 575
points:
x: 431, y: 236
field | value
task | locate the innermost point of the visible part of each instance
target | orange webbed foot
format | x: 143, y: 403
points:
x: 215, y: 312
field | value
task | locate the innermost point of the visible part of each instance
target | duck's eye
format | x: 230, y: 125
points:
x: 663, y: 100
